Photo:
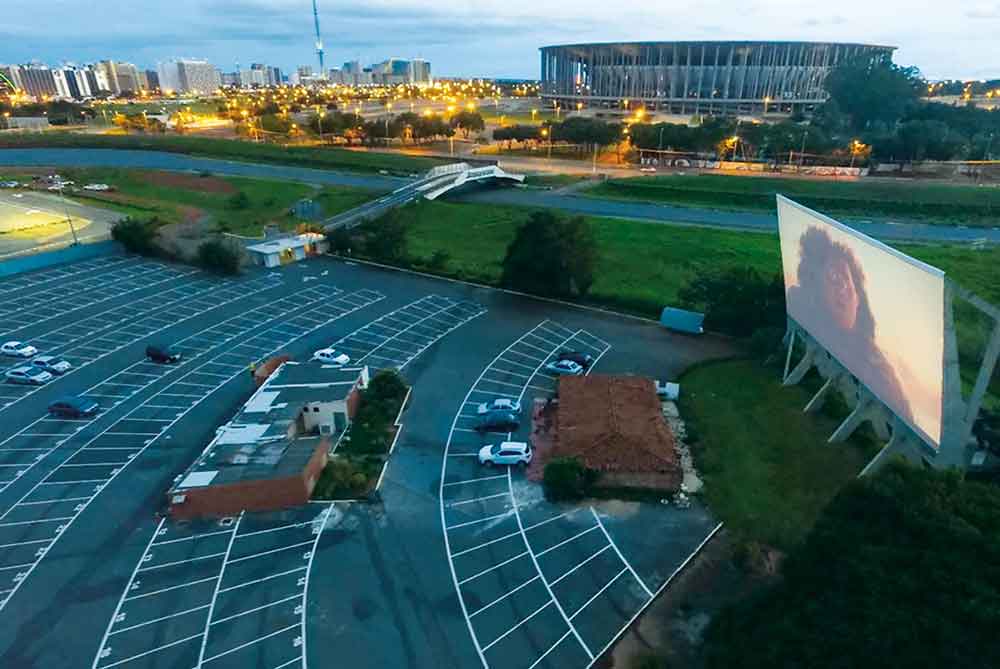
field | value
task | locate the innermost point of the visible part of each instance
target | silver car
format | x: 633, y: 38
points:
x: 53, y: 364
x: 27, y: 375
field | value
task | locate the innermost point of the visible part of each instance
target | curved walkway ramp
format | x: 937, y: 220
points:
x: 437, y: 182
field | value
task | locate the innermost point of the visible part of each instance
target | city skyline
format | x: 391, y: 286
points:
x: 488, y: 40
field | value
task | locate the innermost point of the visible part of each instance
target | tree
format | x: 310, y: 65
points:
x: 873, y: 90
x: 239, y: 200
x: 385, y: 237
x: 468, y: 121
x: 218, y: 257
x: 901, y: 570
x: 737, y: 301
x: 137, y: 235
x: 551, y: 256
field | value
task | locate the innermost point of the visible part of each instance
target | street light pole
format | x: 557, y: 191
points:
x: 69, y: 219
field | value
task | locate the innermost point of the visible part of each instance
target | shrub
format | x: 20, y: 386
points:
x: 218, y: 257
x: 766, y: 341
x: 341, y: 241
x: 239, y: 200
x: 737, y: 301
x: 566, y: 479
x: 137, y: 235
x: 551, y: 255
x: 439, y: 260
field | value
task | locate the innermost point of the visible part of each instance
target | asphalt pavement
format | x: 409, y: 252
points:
x: 664, y: 214
x: 454, y: 566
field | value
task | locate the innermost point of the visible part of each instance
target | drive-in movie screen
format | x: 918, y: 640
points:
x: 879, y: 312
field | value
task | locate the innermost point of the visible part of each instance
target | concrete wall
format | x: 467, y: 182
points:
x: 65, y: 255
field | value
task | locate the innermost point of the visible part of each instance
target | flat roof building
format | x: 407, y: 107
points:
x: 270, y: 455
x: 286, y: 250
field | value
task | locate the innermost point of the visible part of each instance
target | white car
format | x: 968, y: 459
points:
x: 97, y: 187
x: 27, y: 375
x: 647, y: 169
x: 330, y: 356
x: 18, y: 349
x: 564, y: 368
x: 9, y: 184
x: 505, y: 453
x: 499, y: 404
x: 52, y: 363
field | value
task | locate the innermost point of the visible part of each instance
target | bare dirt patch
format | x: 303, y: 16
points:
x: 189, y: 182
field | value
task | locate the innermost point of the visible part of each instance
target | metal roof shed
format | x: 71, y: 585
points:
x: 679, y: 320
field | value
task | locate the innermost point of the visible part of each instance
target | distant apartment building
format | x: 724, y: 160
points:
x: 38, y: 81
x: 127, y: 78
x: 420, y: 72
x: 188, y: 76
x: 391, y: 72
x: 62, y: 87
x: 10, y: 77
x: 109, y: 71
x: 152, y: 80
x: 272, y: 75
x: 254, y: 77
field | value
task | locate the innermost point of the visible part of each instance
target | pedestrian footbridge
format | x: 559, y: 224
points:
x: 439, y: 181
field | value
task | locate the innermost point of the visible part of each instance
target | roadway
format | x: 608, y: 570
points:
x: 656, y: 213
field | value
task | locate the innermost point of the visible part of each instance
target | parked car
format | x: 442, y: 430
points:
x: 28, y: 376
x: 564, y: 368
x: 578, y: 357
x: 18, y: 349
x: 498, y: 421
x: 97, y: 187
x: 668, y: 391
x: 647, y: 169
x: 162, y: 354
x: 505, y: 453
x: 76, y: 406
x: 499, y: 404
x: 53, y: 364
x: 330, y: 356
x: 9, y: 184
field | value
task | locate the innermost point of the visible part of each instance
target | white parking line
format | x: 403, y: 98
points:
x: 505, y: 596
x: 479, y: 520
x: 619, y: 553
x: 599, y: 593
x: 486, y: 543
x: 566, y: 541
x: 244, y: 645
x: 269, y: 552
x: 545, y: 582
x: 215, y: 590
x: 492, y: 568
x: 476, y: 499
x: 482, y: 478
x: 255, y: 609
x: 158, y: 620
x: 177, y: 562
x: 190, y: 538
x: 261, y: 580
x: 581, y: 564
x: 514, y: 628
x: 148, y: 652
x: 551, y: 648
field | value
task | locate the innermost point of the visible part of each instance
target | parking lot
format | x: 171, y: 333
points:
x: 523, y: 583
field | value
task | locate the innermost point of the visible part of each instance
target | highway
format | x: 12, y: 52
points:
x: 663, y: 214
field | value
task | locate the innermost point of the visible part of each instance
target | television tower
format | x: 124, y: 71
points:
x: 319, y: 41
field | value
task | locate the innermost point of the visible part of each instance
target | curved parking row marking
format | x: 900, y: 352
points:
x: 39, y: 277
x: 473, y: 492
x: 266, y: 346
x: 236, y: 293
x: 162, y: 317
x: 131, y: 635
x: 54, y: 302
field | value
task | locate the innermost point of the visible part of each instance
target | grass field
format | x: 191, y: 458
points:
x: 767, y: 468
x: 323, y: 158
x: 930, y: 203
x: 642, y: 265
x: 177, y: 198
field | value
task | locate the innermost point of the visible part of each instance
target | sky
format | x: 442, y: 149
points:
x: 484, y: 38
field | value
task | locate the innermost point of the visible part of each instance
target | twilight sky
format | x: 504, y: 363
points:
x: 489, y: 38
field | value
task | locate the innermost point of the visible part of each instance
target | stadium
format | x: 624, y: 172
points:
x: 712, y: 78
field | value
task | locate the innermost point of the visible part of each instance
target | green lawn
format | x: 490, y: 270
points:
x: 139, y: 194
x: 318, y: 157
x: 642, y: 265
x: 930, y: 203
x: 767, y: 468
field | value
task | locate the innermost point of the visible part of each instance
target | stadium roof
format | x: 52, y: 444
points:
x: 717, y: 41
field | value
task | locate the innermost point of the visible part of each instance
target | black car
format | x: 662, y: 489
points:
x: 579, y: 358
x: 74, y: 407
x: 162, y: 354
x: 498, y: 421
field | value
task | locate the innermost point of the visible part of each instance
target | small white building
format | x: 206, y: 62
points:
x: 287, y: 250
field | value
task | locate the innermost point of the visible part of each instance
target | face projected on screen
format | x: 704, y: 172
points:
x: 831, y: 299
x: 840, y: 293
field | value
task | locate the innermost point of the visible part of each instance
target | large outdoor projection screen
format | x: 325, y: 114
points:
x: 879, y: 312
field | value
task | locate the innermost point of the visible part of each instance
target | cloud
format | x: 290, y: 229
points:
x: 825, y: 21
x: 984, y: 12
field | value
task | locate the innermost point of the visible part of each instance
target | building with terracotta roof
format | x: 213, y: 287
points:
x: 615, y: 425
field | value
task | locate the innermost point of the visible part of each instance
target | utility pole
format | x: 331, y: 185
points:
x: 319, y: 41
x: 69, y: 219
x: 802, y: 151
